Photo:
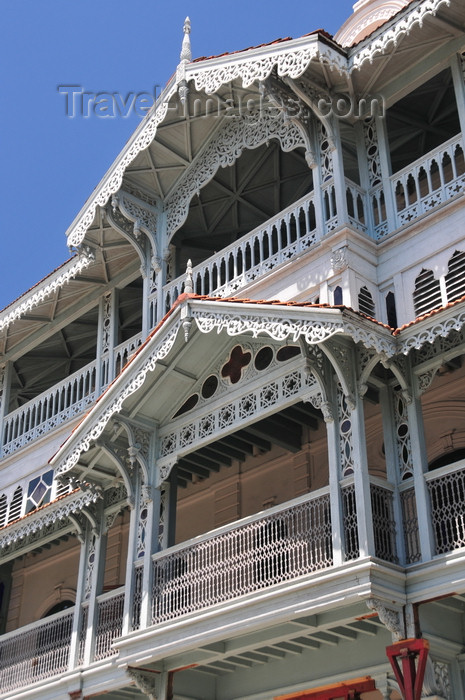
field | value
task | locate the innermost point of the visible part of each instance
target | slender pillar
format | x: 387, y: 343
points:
x: 80, y: 598
x: 95, y: 570
x: 338, y: 175
x: 366, y: 538
x: 337, y: 517
x: 385, y: 162
x: 458, y: 75
x: 130, y: 585
x: 392, y: 470
x: 420, y: 467
x: 107, y: 332
x: 152, y: 497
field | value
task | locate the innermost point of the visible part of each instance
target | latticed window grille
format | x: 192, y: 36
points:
x: 349, y: 511
x: 427, y: 294
x: 410, y: 526
x: 109, y: 625
x: 455, y: 278
x: 384, y: 527
x: 37, y: 653
x: 365, y: 302
x: 261, y: 553
x: 447, y: 495
x: 16, y: 505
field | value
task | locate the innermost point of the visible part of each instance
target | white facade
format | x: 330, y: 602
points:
x: 232, y: 425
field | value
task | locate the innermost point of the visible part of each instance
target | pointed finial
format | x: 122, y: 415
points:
x: 186, y: 52
x: 189, y: 283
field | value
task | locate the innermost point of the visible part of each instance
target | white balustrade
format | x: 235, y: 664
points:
x: 378, y: 208
x: 429, y: 181
x: 289, y: 233
x: 39, y: 650
x: 51, y: 408
x: 250, y: 555
x: 356, y: 205
x: 124, y: 351
x: 109, y: 623
x: 329, y: 207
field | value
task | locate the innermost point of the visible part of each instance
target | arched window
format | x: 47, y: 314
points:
x: 455, y: 278
x: 59, y: 607
x: 447, y: 458
x: 427, y: 294
x: 15, y: 506
x: 365, y: 302
x: 337, y: 296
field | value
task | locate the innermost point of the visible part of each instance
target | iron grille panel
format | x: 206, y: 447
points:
x: 447, y: 494
x: 268, y: 551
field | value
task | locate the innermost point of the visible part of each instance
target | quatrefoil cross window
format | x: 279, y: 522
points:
x: 236, y: 363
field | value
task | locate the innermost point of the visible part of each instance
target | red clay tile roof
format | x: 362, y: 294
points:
x: 321, y: 32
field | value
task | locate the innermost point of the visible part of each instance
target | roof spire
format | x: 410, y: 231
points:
x: 186, y: 51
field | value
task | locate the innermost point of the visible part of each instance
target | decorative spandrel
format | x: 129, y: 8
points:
x: 345, y: 435
x: 402, y: 436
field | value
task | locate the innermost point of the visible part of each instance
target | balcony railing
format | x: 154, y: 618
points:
x: 289, y: 233
x: 446, y: 488
x: 65, y: 400
x: 421, y: 186
x: 258, y: 552
x: 418, y: 188
x: 109, y: 623
x: 286, y: 235
x: 35, y: 652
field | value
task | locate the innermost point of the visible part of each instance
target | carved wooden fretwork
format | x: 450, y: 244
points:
x: 393, y: 33
x: 238, y: 133
x: 132, y: 384
x: 146, y: 680
x: 339, y: 259
x: 311, y: 330
x: 438, y: 328
x: 143, y: 216
x: 43, y: 522
x: 85, y: 257
x: 121, y: 223
x: 248, y: 404
x: 391, y: 618
x: 291, y: 61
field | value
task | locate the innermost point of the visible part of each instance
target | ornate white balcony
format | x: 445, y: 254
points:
x: 35, y: 652
x: 65, y: 400
x: 421, y: 186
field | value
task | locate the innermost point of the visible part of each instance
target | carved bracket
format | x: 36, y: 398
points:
x: 391, y: 618
x: 146, y: 680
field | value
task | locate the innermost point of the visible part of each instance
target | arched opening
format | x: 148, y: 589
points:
x: 262, y: 182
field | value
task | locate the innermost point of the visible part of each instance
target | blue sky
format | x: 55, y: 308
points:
x: 50, y: 162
